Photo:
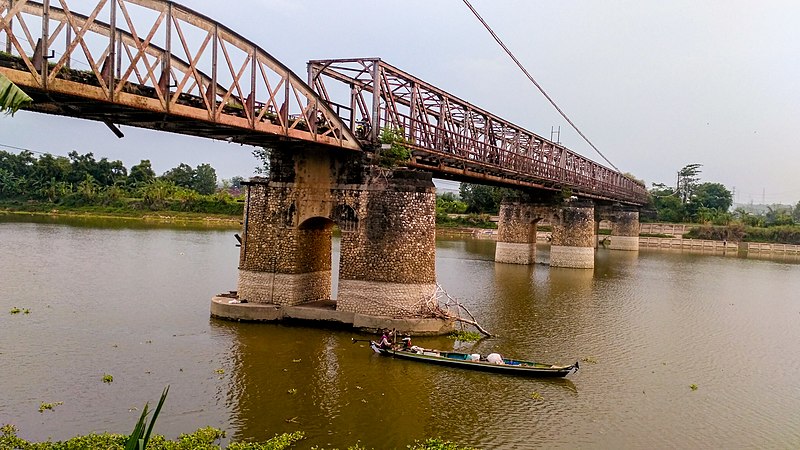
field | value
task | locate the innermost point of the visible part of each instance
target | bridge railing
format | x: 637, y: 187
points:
x: 428, y: 139
x: 161, y: 57
x: 451, y: 135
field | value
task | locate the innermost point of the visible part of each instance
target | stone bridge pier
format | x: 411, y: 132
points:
x: 624, y: 226
x: 575, y: 226
x: 572, y: 239
x: 387, y: 224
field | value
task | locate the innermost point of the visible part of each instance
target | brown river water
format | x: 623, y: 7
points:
x: 119, y: 298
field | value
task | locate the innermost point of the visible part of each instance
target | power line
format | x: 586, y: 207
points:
x: 525, y: 71
x: 23, y: 149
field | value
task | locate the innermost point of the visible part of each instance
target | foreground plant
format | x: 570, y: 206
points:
x: 139, y: 437
x: 204, y: 438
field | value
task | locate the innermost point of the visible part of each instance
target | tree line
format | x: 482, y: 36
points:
x: 79, y: 180
x: 691, y: 200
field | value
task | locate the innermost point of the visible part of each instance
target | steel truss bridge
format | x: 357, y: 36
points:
x: 159, y: 65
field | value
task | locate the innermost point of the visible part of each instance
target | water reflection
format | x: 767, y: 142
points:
x: 134, y: 303
x: 287, y: 378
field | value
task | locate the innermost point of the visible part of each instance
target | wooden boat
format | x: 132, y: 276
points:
x: 477, y: 362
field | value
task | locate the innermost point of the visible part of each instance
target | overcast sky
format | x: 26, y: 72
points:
x: 654, y: 85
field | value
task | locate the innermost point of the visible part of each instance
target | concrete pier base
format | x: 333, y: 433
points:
x: 284, y: 288
x: 324, y: 314
x: 573, y: 237
x: 378, y: 298
x: 515, y: 253
x: 624, y: 227
x: 627, y: 243
x: 572, y: 257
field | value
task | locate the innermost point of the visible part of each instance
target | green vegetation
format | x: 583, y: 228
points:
x: 49, y: 406
x: 397, y: 152
x: 482, y: 199
x: 451, y: 213
x: 108, y: 378
x: 736, y: 232
x: 693, y: 387
x: 82, y: 183
x: 708, y: 204
x: 12, y: 98
x: 692, y: 201
x: 204, y: 439
x: 141, y: 438
x: 465, y: 336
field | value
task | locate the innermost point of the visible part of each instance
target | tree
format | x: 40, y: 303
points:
x: 205, y: 179
x: 778, y: 216
x: 141, y: 174
x: 262, y: 154
x: 668, y: 205
x: 688, y: 178
x: 236, y: 182
x: 182, y: 176
x: 713, y: 196
x: 796, y: 213
x: 448, y: 203
x: 483, y: 199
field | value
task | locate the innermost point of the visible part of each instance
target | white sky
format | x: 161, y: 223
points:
x: 655, y: 85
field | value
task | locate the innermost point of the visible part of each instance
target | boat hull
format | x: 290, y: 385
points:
x: 520, y: 368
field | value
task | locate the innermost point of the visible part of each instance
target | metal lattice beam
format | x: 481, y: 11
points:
x: 456, y: 138
x: 157, y: 64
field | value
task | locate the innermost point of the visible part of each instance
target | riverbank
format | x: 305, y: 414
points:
x: 147, y: 216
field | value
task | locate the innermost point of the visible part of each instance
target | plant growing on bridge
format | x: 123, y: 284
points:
x: 397, y: 151
x: 12, y: 98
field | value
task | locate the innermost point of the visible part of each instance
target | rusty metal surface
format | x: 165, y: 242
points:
x: 457, y: 139
x: 156, y: 64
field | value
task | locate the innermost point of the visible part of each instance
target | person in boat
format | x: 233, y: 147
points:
x: 494, y: 358
x: 406, y: 342
x: 385, y: 343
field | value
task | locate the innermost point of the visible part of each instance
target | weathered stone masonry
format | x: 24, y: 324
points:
x: 624, y: 227
x: 572, y: 238
x: 387, y: 222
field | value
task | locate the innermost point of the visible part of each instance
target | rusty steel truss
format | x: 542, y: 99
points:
x: 156, y: 64
x: 456, y: 139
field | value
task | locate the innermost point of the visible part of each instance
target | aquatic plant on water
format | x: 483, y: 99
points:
x: 49, y: 406
x: 465, y: 336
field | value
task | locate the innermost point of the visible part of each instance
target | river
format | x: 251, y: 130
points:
x: 117, y: 298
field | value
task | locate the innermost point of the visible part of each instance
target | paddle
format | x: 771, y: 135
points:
x: 360, y: 340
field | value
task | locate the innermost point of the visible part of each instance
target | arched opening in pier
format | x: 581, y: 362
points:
x: 323, y: 239
x: 315, y: 256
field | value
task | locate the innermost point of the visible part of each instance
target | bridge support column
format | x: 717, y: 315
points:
x: 282, y: 263
x: 388, y: 264
x: 516, y: 232
x: 624, y: 230
x: 573, y: 237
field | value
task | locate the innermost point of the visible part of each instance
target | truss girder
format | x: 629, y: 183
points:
x: 163, y: 61
x: 457, y: 135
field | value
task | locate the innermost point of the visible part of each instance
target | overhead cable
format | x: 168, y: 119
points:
x: 538, y: 86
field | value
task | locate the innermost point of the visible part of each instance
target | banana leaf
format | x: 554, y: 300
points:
x: 12, y: 98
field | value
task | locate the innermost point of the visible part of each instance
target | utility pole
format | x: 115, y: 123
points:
x: 555, y: 135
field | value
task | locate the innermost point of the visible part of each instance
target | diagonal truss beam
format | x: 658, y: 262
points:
x: 157, y: 64
x: 454, y: 135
